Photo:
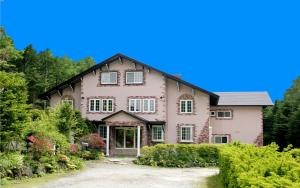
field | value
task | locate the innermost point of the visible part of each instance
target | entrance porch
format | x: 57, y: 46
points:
x: 126, y: 133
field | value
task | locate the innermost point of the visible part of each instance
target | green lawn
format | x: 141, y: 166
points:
x: 31, y: 182
x: 214, y: 182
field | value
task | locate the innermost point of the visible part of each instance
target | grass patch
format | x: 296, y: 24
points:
x: 31, y: 182
x: 214, y: 182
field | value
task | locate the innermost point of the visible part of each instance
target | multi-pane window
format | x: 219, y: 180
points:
x: 221, y: 139
x: 107, y: 105
x: 141, y: 105
x: 68, y: 101
x: 224, y: 114
x: 148, y: 105
x: 102, y: 131
x: 157, y: 133
x: 135, y: 105
x: 136, y: 77
x: 101, y: 105
x: 186, y: 133
x: 109, y: 78
x: 186, y: 106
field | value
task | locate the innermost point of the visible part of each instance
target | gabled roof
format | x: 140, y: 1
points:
x: 134, y: 116
x: 75, y: 79
x: 244, y: 99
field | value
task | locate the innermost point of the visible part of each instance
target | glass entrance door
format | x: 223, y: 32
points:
x: 125, y: 138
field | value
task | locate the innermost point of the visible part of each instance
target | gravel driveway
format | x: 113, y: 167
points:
x: 115, y: 174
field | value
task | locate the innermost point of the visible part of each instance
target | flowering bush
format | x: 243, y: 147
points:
x: 74, y: 149
x: 41, y: 145
x: 94, y: 140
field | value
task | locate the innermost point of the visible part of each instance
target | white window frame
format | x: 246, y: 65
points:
x: 107, y: 110
x: 217, y: 115
x: 162, y: 133
x: 220, y: 135
x: 191, y: 133
x: 109, y: 83
x: 124, y: 138
x: 186, y: 107
x: 99, y: 131
x: 134, y: 79
x: 100, y: 105
x: 135, y: 105
x: 69, y: 101
x: 149, y: 106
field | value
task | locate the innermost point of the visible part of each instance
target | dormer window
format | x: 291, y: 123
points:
x: 109, y: 78
x: 134, y: 77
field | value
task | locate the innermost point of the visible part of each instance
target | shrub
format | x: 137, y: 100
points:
x: 94, y: 140
x: 244, y: 165
x: 41, y: 145
x: 92, y: 155
x: 179, y: 155
x: 74, y: 149
x: 11, y: 164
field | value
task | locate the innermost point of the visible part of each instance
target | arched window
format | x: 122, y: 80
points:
x: 68, y: 99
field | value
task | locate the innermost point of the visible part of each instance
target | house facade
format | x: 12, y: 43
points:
x: 134, y: 105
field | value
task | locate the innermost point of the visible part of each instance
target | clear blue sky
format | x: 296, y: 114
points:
x: 218, y: 45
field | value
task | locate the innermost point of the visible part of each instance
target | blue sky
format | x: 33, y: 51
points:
x: 217, y: 45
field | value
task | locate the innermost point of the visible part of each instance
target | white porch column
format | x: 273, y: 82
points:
x: 107, y: 140
x: 138, y: 140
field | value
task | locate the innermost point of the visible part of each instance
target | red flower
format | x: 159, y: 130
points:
x: 31, y: 138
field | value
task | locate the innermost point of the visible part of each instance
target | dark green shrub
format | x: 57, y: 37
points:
x: 11, y: 164
x: 179, y: 155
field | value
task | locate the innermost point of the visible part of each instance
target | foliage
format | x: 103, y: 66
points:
x: 94, y: 140
x: 69, y: 122
x: 244, y: 165
x: 8, y: 53
x: 13, y: 107
x: 45, y: 124
x: 10, y: 162
x: 92, y: 155
x: 282, y: 122
x: 179, y: 155
x: 41, y: 145
x: 16, y: 165
x: 43, y: 70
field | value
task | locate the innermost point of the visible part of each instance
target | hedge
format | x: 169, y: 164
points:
x: 179, y: 155
x: 249, y: 166
x: 241, y: 165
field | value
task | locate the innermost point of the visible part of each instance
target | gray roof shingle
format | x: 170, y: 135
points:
x: 244, y: 99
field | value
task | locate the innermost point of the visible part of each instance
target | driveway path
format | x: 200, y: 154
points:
x: 108, y: 174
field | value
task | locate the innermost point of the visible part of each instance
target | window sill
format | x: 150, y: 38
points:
x: 158, y: 140
x: 186, y: 141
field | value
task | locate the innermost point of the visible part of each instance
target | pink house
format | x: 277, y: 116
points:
x: 134, y: 105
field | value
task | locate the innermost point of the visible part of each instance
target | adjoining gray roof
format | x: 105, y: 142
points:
x: 244, y: 99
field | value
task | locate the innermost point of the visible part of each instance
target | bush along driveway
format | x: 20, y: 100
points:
x: 115, y: 173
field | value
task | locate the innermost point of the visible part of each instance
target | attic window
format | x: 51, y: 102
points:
x: 109, y: 78
x: 134, y: 77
